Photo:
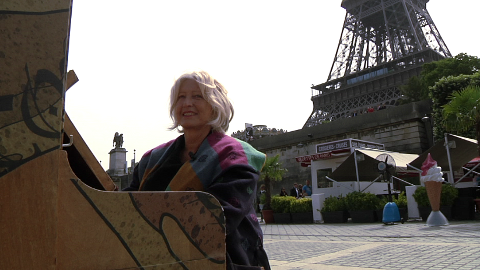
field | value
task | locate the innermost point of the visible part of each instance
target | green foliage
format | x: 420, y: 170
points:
x: 419, y: 88
x: 401, y: 201
x: 272, y: 171
x: 281, y: 204
x: 449, y: 194
x: 463, y: 110
x: 302, y: 205
x: 382, y: 201
x: 262, y: 198
x: 413, y: 91
x: 421, y: 197
x: 361, y: 201
x: 332, y: 204
x: 460, y: 64
x: 440, y: 94
x: 462, y: 113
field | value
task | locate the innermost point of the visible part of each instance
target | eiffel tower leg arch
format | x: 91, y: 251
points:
x: 383, y: 43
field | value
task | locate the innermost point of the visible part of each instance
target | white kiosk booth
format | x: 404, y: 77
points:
x: 344, y: 166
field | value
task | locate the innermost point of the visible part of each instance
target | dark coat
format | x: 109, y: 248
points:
x: 294, y: 192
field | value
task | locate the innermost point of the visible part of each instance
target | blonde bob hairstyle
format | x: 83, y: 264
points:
x: 213, y: 92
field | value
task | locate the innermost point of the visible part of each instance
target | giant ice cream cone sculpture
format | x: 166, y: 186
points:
x: 434, y: 191
x: 432, y: 178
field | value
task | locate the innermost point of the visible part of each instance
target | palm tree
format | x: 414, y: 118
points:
x: 272, y: 171
x: 463, y: 111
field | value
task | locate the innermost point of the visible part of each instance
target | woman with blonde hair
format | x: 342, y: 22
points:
x: 204, y: 158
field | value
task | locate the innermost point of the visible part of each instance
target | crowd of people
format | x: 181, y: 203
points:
x: 298, y: 190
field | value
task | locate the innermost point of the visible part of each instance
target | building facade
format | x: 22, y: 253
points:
x: 399, y: 129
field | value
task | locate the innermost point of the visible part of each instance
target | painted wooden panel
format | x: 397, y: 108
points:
x: 33, y: 48
x: 51, y: 220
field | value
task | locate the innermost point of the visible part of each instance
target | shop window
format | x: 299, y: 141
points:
x: 322, y: 181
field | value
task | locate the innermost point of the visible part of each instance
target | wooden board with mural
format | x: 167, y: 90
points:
x: 51, y: 220
x: 57, y: 207
x: 33, y: 48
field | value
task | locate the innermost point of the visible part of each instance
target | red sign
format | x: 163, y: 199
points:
x: 314, y: 157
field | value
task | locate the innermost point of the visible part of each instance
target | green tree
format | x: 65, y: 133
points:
x: 272, y: 171
x: 418, y: 88
x: 440, y: 94
x: 414, y: 90
x: 462, y: 113
x: 460, y: 64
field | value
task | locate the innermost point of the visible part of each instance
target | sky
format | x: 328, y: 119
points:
x: 267, y: 54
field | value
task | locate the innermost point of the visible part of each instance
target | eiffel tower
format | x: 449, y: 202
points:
x: 383, y: 43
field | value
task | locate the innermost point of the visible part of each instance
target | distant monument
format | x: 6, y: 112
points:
x: 118, y: 140
x: 118, y: 157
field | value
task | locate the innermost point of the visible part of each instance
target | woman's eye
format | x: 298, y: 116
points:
x: 198, y: 96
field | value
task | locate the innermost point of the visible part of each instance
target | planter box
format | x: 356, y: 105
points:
x: 403, y: 213
x: 424, y: 212
x: 335, y: 217
x: 268, y: 216
x: 464, y: 208
x: 282, y: 218
x: 379, y: 215
x: 363, y: 216
x: 301, y: 218
x: 446, y: 211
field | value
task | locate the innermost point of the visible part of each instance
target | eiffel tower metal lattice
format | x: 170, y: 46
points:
x: 383, y: 43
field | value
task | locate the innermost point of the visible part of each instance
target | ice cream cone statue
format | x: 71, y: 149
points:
x: 432, y: 179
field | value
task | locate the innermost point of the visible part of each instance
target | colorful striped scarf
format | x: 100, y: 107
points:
x: 217, y: 153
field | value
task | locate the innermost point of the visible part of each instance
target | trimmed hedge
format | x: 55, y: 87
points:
x: 361, y: 201
x: 289, y: 204
x: 302, y: 205
x: 333, y: 204
x: 281, y: 204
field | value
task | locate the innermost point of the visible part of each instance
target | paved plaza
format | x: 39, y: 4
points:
x: 357, y: 246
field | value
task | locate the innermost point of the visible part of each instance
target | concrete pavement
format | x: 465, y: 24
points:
x: 359, y: 246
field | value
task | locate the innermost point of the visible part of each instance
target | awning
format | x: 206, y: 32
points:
x: 462, y: 150
x: 367, y: 165
x: 472, y: 163
x: 307, y: 160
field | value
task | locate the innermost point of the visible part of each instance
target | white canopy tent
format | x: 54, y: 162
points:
x: 451, y: 154
x: 361, y: 165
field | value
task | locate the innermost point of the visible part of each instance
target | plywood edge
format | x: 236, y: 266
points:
x: 87, y: 155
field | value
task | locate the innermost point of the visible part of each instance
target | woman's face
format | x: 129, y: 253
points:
x: 192, y: 111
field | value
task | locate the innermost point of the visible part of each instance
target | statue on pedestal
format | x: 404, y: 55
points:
x: 118, y: 140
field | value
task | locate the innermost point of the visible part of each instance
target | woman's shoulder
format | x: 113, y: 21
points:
x: 162, y: 147
x: 225, y: 140
x: 220, y: 141
x: 234, y: 151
